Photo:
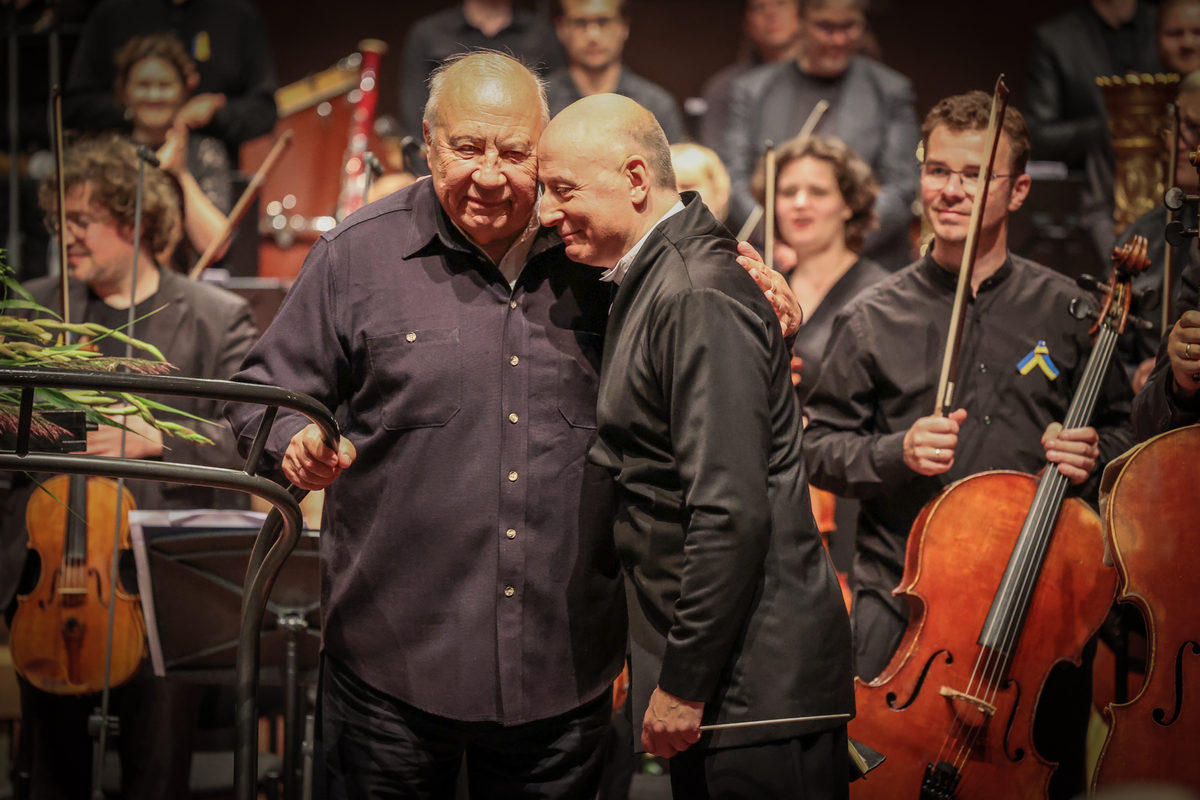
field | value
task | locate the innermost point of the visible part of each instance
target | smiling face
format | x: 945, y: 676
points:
x: 949, y: 204
x: 809, y: 207
x: 587, y: 196
x: 99, y: 252
x: 482, y: 156
x: 154, y: 91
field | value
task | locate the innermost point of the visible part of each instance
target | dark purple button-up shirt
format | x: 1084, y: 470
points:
x: 468, y: 567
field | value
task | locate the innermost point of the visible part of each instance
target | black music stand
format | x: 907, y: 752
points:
x: 191, y: 568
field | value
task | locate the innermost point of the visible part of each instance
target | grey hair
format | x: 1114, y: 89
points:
x: 649, y: 138
x: 485, y: 64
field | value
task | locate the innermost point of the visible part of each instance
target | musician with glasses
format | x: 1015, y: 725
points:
x: 593, y: 33
x: 870, y: 108
x: 872, y: 433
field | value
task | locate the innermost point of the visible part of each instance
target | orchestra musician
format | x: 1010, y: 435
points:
x: 204, y: 331
x: 871, y: 433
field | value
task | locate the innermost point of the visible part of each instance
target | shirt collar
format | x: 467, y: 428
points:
x: 944, y: 277
x: 617, y: 273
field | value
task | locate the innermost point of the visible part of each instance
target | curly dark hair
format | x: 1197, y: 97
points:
x: 854, y: 178
x: 156, y: 45
x: 971, y: 112
x: 109, y: 165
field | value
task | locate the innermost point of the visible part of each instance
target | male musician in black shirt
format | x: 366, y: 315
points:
x: 872, y: 433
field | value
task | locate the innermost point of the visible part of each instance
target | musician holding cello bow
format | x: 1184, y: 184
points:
x: 202, y: 330
x: 871, y: 434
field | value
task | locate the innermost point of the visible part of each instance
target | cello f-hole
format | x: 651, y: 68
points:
x: 1019, y: 753
x: 1158, y: 714
x: 891, y: 696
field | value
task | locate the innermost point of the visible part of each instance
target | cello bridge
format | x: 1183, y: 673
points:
x: 970, y: 710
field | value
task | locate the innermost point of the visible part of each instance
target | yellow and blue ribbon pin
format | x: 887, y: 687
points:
x: 1039, y: 357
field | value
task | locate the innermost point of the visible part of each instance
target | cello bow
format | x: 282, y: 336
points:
x: 949, y: 375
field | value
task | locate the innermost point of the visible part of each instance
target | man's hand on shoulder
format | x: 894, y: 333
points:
x: 930, y: 441
x: 775, y: 286
x: 671, y: 724
x: 310, y: 464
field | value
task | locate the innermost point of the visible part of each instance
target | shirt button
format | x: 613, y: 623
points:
x: 514, y: 360
x: 509, y: 591
x: 512, y: 476
x: 512, y: 418
x: 410, y: 337
x: 983, y: 367
x: 512, y: 303
x: 987, y: 420
x: 511, y: 533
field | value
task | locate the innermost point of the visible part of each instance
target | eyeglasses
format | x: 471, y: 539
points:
x: 936, y: 176
x: 581, y: 24
x: 77, y: 222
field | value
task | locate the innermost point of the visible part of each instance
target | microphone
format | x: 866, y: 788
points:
x: 147, y: 155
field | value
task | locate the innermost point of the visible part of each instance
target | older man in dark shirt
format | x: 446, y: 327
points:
x: 470, y: 590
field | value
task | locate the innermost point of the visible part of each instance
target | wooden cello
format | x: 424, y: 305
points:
x: 1151, y: 529
x: 61, y: 630
x: 1005, y: 579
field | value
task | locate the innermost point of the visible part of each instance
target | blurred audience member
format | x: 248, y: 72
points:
x: 772, y: 29
x: 824, y: 205
x: 234, y: 96
x: 698, y: 168
x: 870, y: 108
x: 1138, y: 347
x: 471, y: 25
x: 1065, y: 107
x: 1179, y: 35
x: 594, y: 32
x: 154, y: 80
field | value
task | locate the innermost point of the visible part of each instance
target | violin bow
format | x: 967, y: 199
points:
x: 949, y: 376
x: 769, y: 206
x: 56, y: 111
x: 1168, y: 305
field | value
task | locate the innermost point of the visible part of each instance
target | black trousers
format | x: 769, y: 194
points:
x: 812, y: 767
x: 158, y: 720
x: 374, y: 746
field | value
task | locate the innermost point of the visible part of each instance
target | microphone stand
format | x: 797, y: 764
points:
x: 100, y: 722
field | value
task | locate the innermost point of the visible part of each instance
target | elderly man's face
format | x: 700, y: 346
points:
x: 482, y: 156
x: 586, y: 197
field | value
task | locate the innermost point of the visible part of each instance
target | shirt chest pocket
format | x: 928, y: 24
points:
x: 418, y: 374
x: 577, y: 380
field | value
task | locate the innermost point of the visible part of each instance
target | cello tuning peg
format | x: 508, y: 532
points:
x: 1146, y: 299
x: 1139, y: 323
x: 1177, y: 233
x: 1080, y: 309
x: 1090, y: 283
x: 1175, y: 198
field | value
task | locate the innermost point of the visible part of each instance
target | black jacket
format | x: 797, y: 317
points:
x: 732, y: 597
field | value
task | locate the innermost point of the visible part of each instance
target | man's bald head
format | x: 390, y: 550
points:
x: 606, y: 169
x: 614, y: 123
x: 488, y: 74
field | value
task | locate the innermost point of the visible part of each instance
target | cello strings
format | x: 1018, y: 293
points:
x: 992, y: 661
x: 1045, y: 500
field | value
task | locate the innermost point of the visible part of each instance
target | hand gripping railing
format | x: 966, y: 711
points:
x: 271, y: 547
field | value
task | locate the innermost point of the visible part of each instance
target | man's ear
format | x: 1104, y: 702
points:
x: 638, y: 173
x: 1020, y: 190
